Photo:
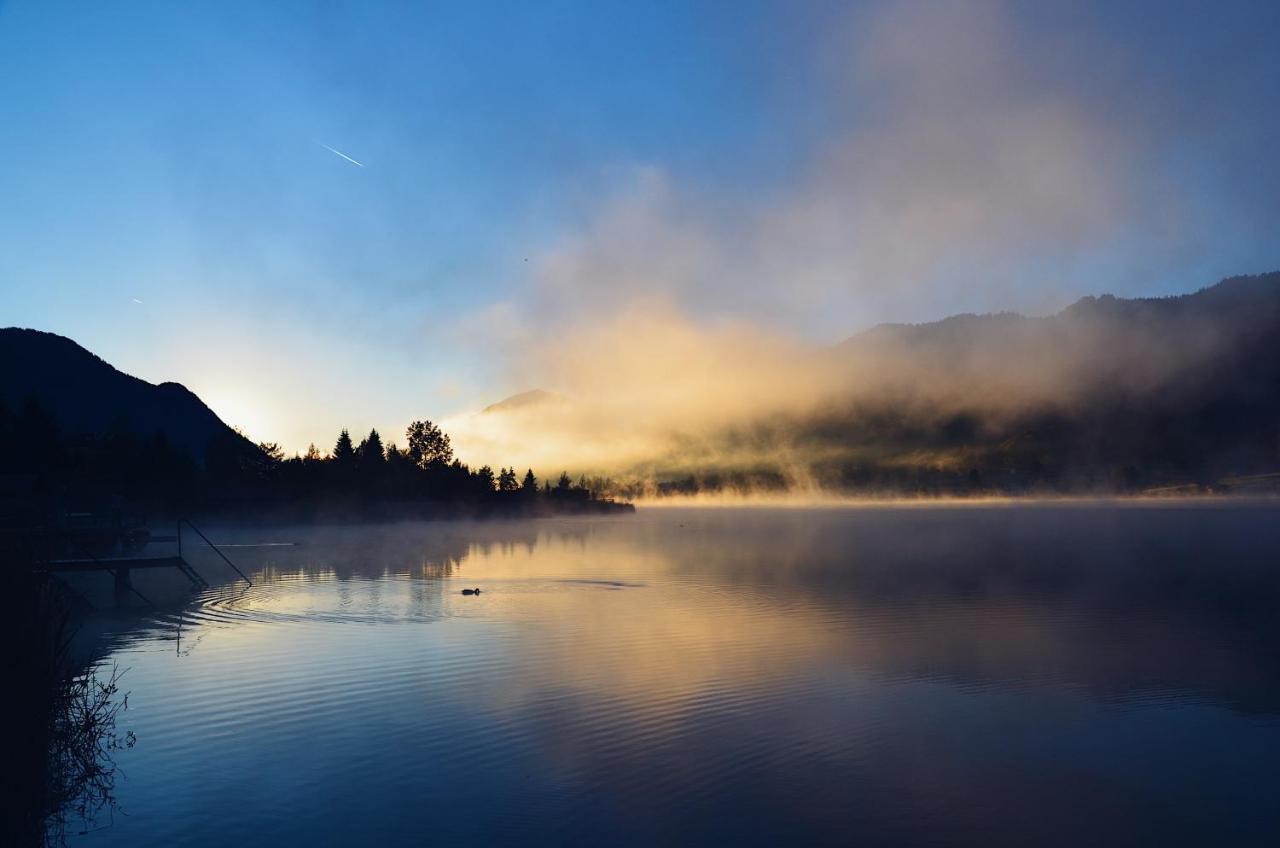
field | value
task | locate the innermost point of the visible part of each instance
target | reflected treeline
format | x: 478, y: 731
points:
x: 750, y: 653
x: 1119, y: 601
x: 415, y: 549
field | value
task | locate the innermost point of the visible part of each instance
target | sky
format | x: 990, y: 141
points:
x: 178, y: 192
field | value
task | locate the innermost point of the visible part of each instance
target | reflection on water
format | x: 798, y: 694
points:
x: 976, y: 675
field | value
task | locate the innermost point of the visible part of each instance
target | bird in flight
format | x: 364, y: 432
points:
x: 340, y: 153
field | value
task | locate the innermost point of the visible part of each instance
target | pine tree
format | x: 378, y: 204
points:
x: 343, y: 452
x: 394, y: 455
x: 371, y: 452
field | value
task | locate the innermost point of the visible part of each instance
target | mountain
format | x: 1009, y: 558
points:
x: 525, y: 400
x: 89, y: 397
x: 1148, y: 391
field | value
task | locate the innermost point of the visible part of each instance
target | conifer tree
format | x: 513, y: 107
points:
x: 343, y: 451
x: 371, y: 452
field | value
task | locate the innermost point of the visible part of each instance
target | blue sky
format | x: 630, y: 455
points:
x: 173, y: 154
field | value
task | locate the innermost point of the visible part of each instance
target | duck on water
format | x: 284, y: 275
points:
x: 470, y: 591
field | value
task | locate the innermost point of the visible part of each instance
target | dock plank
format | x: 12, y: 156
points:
x: 112, y: 563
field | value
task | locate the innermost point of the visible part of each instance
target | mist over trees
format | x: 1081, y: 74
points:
x: 1134, y: 396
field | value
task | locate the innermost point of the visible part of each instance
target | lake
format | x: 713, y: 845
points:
x: 1055, y: 674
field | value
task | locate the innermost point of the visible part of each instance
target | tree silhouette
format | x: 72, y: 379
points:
x: 272, y: 450
x: 343, y: 452
x: 370, y: 451
x: 428, y: 444
x: 119, y: 463
x: 270, y: 457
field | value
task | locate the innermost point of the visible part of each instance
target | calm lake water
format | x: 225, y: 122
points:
x: 977, y: 675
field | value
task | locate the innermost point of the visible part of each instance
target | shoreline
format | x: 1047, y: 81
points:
x: 812, y: 501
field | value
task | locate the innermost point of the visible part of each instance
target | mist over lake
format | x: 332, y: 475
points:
x: 1089, y: 673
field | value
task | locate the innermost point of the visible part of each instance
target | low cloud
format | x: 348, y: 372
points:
x: 967, y: 149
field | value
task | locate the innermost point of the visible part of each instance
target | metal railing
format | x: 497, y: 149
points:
x: 216, y: 549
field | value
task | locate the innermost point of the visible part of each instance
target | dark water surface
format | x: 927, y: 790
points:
x: 1066, y: 675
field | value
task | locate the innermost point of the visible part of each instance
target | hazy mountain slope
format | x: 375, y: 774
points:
x: 1146, y: 391
x: 90, y: 397
x: 1101, y: 344
x: 524, y: 400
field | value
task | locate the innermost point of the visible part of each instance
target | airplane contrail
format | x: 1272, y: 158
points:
x: 340, y: 153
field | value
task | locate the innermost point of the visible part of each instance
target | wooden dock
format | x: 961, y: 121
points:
x: 120, y: 563
x: 120, y: 567
x: 114, y: 563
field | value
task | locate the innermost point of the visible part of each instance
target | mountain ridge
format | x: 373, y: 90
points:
x: 1215, y: 293
x: 90, y: 397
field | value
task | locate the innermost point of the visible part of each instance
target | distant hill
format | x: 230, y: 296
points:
x: 525, y: 400
x: 1166, y: 332
x: 88, y: 397
x: 1110, y: 392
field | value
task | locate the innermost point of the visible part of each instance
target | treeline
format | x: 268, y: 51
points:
x: 424, y: 470
x: 37, y: 460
